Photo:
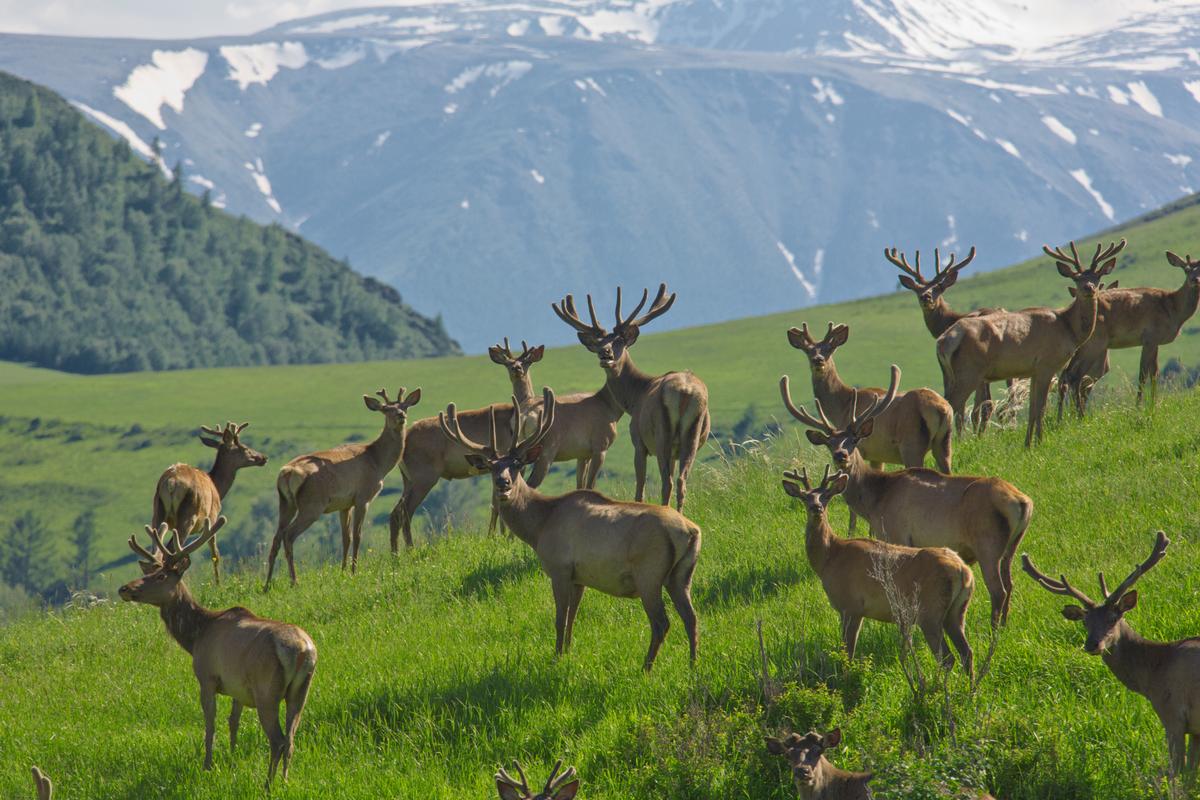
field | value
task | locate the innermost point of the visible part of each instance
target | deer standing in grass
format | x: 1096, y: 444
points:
x: 558, y: 786
x: 344, y: 479
x: 1034, y: 343
x: 1165, y: 673
x: 668, y: 414
x: 981, y: 519
x: 584, y: 539
x: 257, y: 662
x: 1145, y: 318
x: 185, y: 497
x: 934, y: 581
x: 814, y: 776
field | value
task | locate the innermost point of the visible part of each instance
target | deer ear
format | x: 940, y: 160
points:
x: 1071, y: 290
x: 535, y: 355
x: 817, y: 438
x: 507, y: 792
x: 1108, y: 267
x: 950, y: 279
x: 864, y: 430
x: 1175, y: 260
x: 839, y: 484
x: 1113, y: 285
x: 213, y: 443
x: 497, y: 356
x: 1127, y: 602
x: 567, y: 791
x: 477, y: 462
x: 532, y: 454
x: 795, y: 491
x: 630, y: 334
x: 840, y: 335
x: 413, y: 398
x: 909, y: 283
x: 1074, y: 613
x: 775, y: 747
x: 587, y: 340
x: 373, y: 403
x: 796, y: 339
x: 181, y: 566
x: 1064, y: 270
x: 833, y: 738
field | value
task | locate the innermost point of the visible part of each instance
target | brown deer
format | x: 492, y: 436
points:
x: 853, y: 573
x: 45, y: 789
x: 814, y: 776
x: 918, y: 421
x: 344, y: 479
x: 1165, y: 673
x: 981, y: 519
x: 257, y: 662
x: 584, y: 539
x: 668, y: 413
x: 562, y: 786
x: 1145, y: 318
x: 186, y: 496
x: 1034, y: 343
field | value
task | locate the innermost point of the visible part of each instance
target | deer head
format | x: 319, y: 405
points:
x: 928, y: 290
x: 611, y: 347
x: 1087, y: 281
x: 819, y: 353
x: 1191, y: 269
x: 505, y: 467
x: 805, y: 754
x: 228, y: 446
x: 1100, y: 620
x: 558, y: 787
x: 815, y: 500
x: 517, y: 365
x: 164, y: 565
x: 842, y: 442
x: 395, y: 411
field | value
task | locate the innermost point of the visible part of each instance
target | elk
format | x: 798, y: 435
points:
x: 584, y: 539
x: 1165, y: 673
x: 558, y: 786
x: 981, y: 519
x: 668, y: 413
x: 45, y: 789
x: 1145, y: 318
x: 257, y: 662
x: 934, y: 580
x: 344, y: 479
x: 814, y: 776
x: 186, y: 496
x: 1034, y: 343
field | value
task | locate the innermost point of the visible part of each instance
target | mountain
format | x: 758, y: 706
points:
x: 108, y: 265
x: 483, y: 156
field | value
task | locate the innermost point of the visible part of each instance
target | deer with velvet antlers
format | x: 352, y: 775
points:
x: 668, y: 414
x: 559, y: 786
x: 1165, y: 673
x: 258, y: 662
x: 981, y: 519
x: 583, y: 539
x: 186, y: 496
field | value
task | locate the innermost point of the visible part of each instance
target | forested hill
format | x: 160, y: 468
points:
x: 107, y: 264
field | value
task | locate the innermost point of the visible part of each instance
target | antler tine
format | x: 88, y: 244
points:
x: 825, y: 477
x: 937, y: 263
x: 952, y: 266
x: 1061, y: 586
x: 156, y: 536
x: 661, y: 305
x: 448, y: 422
x: 555, y: 780
x: 900, y: 260
x: 565, y: 310
x: 383, y: 394
x: 1160, y: 549
x: 637, y: 308
x: 1107, y: 252
x: 143, y: 552
x: 503, y: 777
x: 799, y: 412
x: 828, y: 332
x: 557, y: 764
x: 217, y: 431
x: 545, y: 423
x: 592, y: 312
x: 1058, y: 255
x: 209, y: 531
x: 880, y: 405
x: 524, y: 780
x: 1103, y: 587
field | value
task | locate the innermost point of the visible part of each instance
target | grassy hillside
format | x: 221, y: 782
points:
x: 435, y: 668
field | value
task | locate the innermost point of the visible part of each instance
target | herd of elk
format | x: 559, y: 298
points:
x: 257, y: 662
x: 185, y: 497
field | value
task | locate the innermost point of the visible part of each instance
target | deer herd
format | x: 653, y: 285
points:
x: 927, y: 525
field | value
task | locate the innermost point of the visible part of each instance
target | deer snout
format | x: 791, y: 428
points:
x: 841, y: 457
x: 1093, y: 646
x: 803, y: 773
x: 818, y: 362
x: 126, y: 592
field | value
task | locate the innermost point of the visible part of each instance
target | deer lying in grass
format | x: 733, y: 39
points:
x: 1145, y: 318
x: 667, y: 414
x: 933, y: 581
x: 45, y: 789
x: 344, y: 479
x: 1035, y: 343
x: 257, y: 662
x: 1165, y: 673
x: 981, y: 519
x: 186, y: 496
x: 814, y: 776
x: 558, y: 786
x: 583, y: 539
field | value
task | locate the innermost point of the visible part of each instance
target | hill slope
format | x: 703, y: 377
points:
x: 108, y: 266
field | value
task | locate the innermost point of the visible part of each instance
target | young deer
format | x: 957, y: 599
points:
x: 667, y: 414
x: 257, y: 662
x: 583, y: 539
x: 185, y: 496
x: 344, y: 479
x: 981, y: 519
x: 1165, y: 673
x: 934, y: 579
x: 558, y: 786
x: 1145, y: 318
x: 814, y: 776
x: 45, y: 789
x: 1035, y: 343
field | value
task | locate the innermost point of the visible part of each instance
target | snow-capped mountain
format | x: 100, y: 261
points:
x: 485, y: 156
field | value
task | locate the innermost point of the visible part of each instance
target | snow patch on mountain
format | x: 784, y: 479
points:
x: 1085, y: 180
x: 826, y: 93
x: 1180, y: 160
x: 263, y: 183
x: 503, y: 73
x: 343, y: 59
x: 1193, y: 88
x: 1058, y: 129
x: 118, y: 127
x: 164, y: 81
x: 253, y: 131
x: 251, y: 64
x: 1140, y: 93
x: 1008, y: 147
x: 343, y: 23
x: 809, y: 287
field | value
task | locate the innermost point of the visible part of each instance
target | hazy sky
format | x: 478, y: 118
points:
x: 153, y: 19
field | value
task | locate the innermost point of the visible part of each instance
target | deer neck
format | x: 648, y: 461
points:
x: 864, y: 487
x: 523, y: 391
x: 1129, y: 659
x: 387, y: 448
x: 525, y: 513
x: 605, y: 395
x: 629, y: 384
x: 831, y: 783
x: 222, y: 475
x: 835, y: 396
x: 1080, y: 317
x: 186, y: 620
x: 818, y: 540
x: 939, y: 317
x: 1183, y: 301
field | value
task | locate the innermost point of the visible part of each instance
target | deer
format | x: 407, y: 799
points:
x: 43, y: 785
x: 982, y: 519
x: 1034, y: 343
x: 345, y: 479
x: 558, y: 786
x: 934, y: 580
x: 668, y: 413
x: 1165, y: 673
x: 583, y: 539
x: 186, y: 496
x: 585, y: 424
x: 918, y: 421
x: 1144, y: 317
x: 257, y: 662
x: 814, y: 776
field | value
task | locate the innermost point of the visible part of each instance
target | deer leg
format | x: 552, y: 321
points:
x: 344, y: 518
x: 294, y: 701
x: 303, y: 521
x: 235, y: 716
x: 955, y: 628
x: 215, y: 554
x: 851, y: 625
x: 935, y: 637
x: 414, y: 495
x: 1149, y: 367
x: 208, y: 704
x: 1193, y: 756
x: 956, y: 396
x: 679, y: 589
x: 495, y: 515
x: 989, y: 565
x: 1039, y: 389
x: 639, y: 469
x: 572, y: 610
x: 360, y: 514
x: 268, y: 717
x: 581, y: 466
x: 981, y: 412
x: 656, y: 612
x: 687, y: 455
x: 563, y: 590
x: 594, y: 467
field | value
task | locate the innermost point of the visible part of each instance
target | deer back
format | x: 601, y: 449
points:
x: 674, y: 401
x: 184, y: 488
x: 253, y: 657
x: 427, y: 450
